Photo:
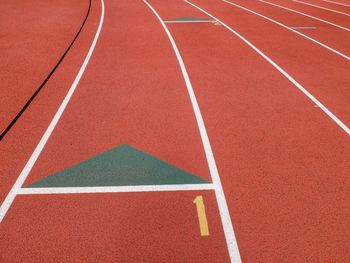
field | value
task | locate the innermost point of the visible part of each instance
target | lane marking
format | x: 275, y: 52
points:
x: 283, y: 72
x: 302, y: 27
x: 120, y: 166
x: 114, y: 189
x: 202, y: 216
x: 290, y: 29
x: 35, y: 155
x: 320, y: 7
x: 337, y: 3
x: 300, y: 13
x: 193, y: 21
x: 219, y: 192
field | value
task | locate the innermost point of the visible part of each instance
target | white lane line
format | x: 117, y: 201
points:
x: 284, y: 73
x: 300, y: 13
x: 302, y: 27
x: 219, y: 192
x: 115, y: 189
x: 337, y: 3
x: 321, y: 7
x: 290, y: 29
x: 33, y: 158
x: 192, y: 21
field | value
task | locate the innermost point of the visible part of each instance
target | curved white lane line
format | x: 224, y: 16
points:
x: 219, y: 192
x: 337, y: 3
x: 33, y: 158
x: 290, y: 29
x: 320, y: 7
x: 300, y: 13
x: 284, y: 73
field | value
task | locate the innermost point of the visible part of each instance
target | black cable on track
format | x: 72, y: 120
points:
x: 8, y: 128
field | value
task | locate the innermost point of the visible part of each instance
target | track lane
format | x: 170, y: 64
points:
x: 31, y: 44
x: 326, y: 34
x: 103, y: 129
x: 342, y: 11
x: 337, y: 3
x: 127, y: 115
x: 306, y: 15
x: 113, y: 106
x: 311, y: 65
x: 278, y: 167
x: 332, y: 17
x: 214, y: 174
x: 331, y: 5
x: 127, y: 227
x: 18, y: 145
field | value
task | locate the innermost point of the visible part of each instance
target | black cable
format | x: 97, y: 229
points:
x: 8, y: 128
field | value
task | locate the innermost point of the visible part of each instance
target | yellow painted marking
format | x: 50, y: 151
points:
x: 202, y: 217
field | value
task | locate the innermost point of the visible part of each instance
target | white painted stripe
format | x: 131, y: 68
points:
x: 300, y: 13
x: 337, y: 3
x: 290, y: 29
x: 193, y: 21
x: 219, y: 192
x: 320, y: 7
x: 115, y: 189
x: 33, y: 158
x: 303, y: 27
x: 284, y: 73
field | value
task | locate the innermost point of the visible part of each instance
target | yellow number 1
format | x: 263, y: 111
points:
x: 202, y: 217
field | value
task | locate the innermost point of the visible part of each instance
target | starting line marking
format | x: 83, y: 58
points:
x: 193, y: 21
x: 115, y: 189
x: 303, y: 27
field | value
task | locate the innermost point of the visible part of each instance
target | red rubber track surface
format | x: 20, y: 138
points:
x: 18, y: 145
x: 333, y: 6
x: 327, y: 34
x: 128, y: 227
x: 283, y: 175
x: 345, y: 2
x: 131, y: 92
x: 322, y: 72
x: 141, y: 106
x: 33, y: 38
x: 319, y: 13
x: 282, y: 161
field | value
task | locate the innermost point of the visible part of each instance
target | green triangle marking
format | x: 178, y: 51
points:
x: 189, y: 19
x: 120, y: 166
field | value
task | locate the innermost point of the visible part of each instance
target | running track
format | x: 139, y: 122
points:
x: 253, y: 100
